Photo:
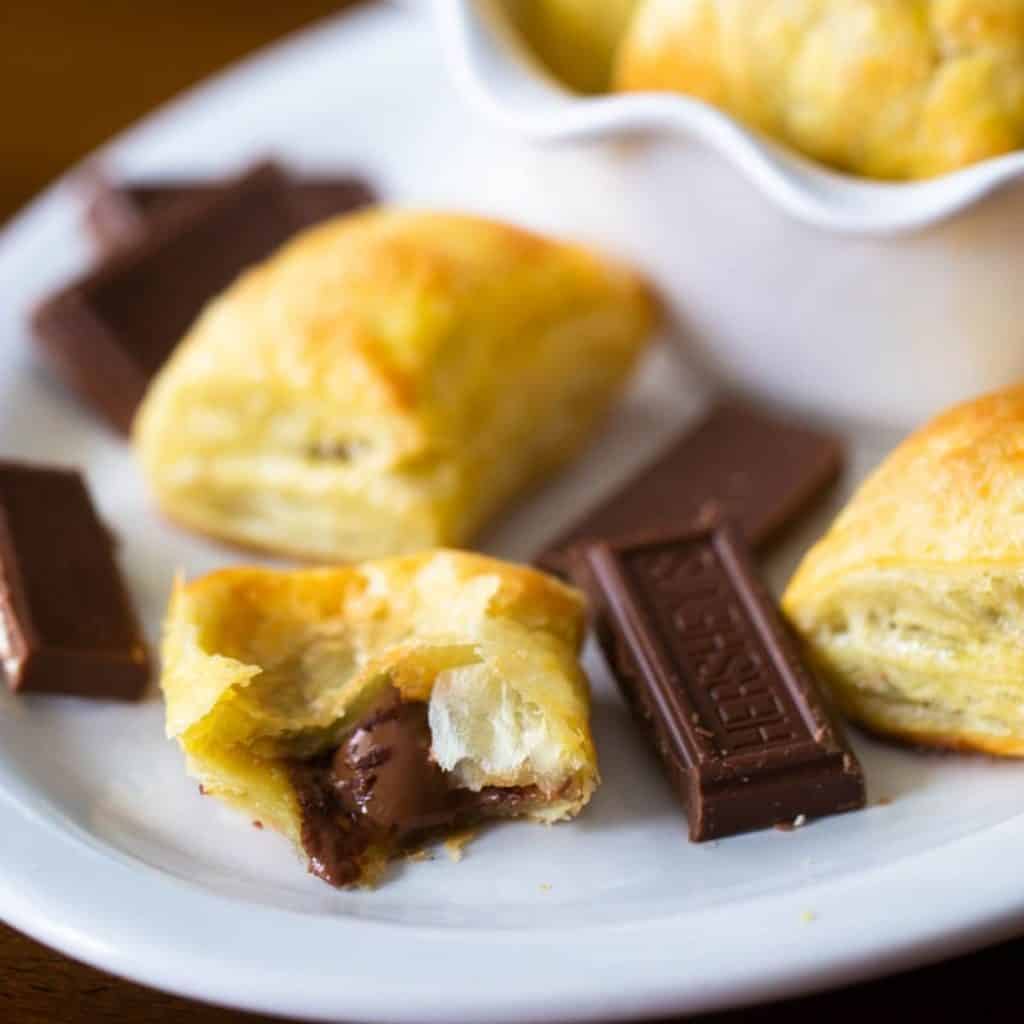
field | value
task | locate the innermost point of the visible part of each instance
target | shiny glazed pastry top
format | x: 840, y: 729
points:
x: 386, y: 382
x: 912, y: 605
x: 885, y: 88
x: 358, y: 710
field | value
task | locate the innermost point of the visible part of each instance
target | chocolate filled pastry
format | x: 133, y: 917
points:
x: 365, y: 709
x: 386, y: 383
x: 875, y: 87
x: 912, y: 604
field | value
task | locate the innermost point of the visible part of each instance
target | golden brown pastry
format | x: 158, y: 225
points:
x: 886, y: 88
x: 386, y: 383
x: 912, y: 606
x: 360, y: 709
x: 575, y: 39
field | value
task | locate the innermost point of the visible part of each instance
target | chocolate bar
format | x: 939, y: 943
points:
x: 119, y: 215
x: 66, y: 621
x: 757, y: 470
x: 109, y: 332
x: 704, y: 658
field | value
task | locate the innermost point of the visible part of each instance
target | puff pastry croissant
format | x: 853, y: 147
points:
x: 387, y: 382
x: 360, y: 709
x: 912, y: 605
x: 886, y: 88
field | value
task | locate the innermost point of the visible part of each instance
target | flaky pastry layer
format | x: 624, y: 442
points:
x: 386, y: 383
x: 912, y: 605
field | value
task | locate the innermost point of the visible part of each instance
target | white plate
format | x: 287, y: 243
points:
x: 108, y: 852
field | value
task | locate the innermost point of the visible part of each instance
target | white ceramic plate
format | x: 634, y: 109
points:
x: 108, y: 852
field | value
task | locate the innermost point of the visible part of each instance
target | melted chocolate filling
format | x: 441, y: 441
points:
x: 381, y: 788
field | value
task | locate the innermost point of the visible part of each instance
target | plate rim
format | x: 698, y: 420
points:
x: 815, y: 941
x: 40, y: 897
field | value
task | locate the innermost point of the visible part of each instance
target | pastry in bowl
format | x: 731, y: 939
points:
x: 361, y: 710
x: 874, y: 87
x: 912, y: 606
x: 386, y: 383
x: 575, y: 39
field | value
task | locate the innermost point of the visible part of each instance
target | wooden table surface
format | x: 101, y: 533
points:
x: 39, y: 986
x: 71, y: 75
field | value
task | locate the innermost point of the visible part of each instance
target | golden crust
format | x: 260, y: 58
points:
x: 386, y: 383
x: 945, y: 742
x: 929, y: 737
x: 889, y: 90
x: 261, y: 667
x: 912, y: 602
x: 952, y: 494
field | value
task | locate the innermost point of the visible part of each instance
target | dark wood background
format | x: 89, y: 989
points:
x: 75, y: 72
x: 71, y: 75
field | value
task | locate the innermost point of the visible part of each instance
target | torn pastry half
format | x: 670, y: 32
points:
x: 912, y: 605
x: 387, y: 382
x: 364, y: 710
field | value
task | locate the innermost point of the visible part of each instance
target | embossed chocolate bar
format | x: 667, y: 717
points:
x: 66, y: 621
x: 122, y: 214
x: 759, y: 470
x: 704, y: 658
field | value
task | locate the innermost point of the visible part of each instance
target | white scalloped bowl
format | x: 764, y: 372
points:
x: 841, y: 295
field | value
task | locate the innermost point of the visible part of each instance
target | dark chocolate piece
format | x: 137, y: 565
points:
x: 380, y: 790
x: 759, y: 471
x: 383, y: 772
x: 120, y: 215
x: 66, y: 621
x: 704, y: 658
x: 110, y: 331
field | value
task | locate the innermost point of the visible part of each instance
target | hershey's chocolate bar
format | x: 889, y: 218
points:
x: 121, y: 214
x: 110, y: 331
x: 66, y: 621
x: 758, y: 470
x: 704, y: 658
